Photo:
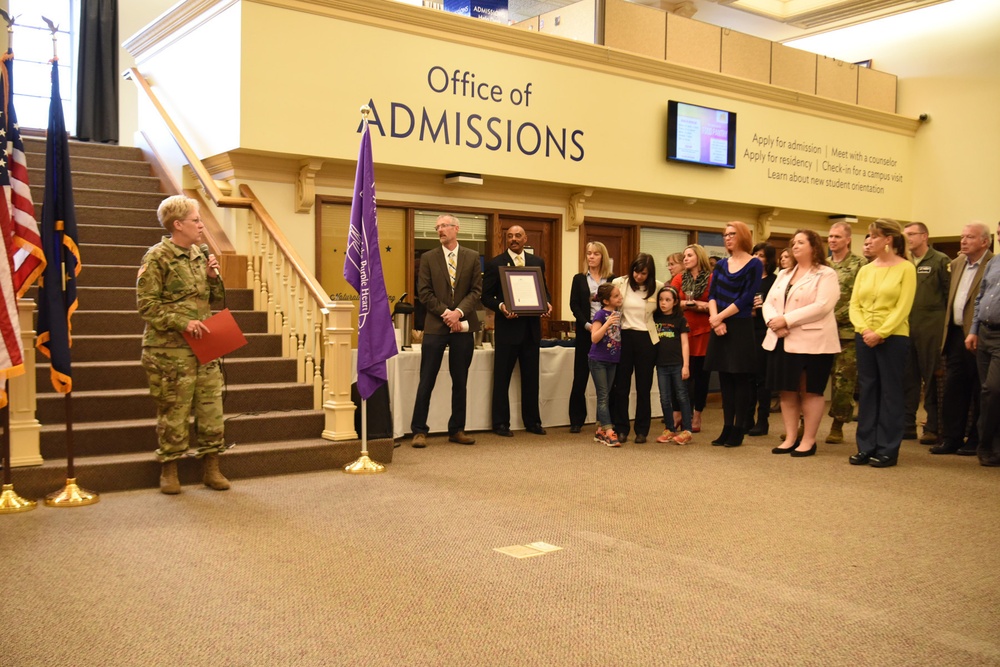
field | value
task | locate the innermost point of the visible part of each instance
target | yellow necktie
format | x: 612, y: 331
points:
x: 452, y: 268
x: 519, y: 260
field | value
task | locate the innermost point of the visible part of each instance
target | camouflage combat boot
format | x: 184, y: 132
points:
x: 212, y: 477
x: 169, y: 483
x: 836, y: 433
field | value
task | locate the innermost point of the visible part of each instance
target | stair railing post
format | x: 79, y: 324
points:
x: 338, y: 406
x: 25, y: 429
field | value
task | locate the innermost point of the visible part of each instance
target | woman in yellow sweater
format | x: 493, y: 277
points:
x: 880, y: 312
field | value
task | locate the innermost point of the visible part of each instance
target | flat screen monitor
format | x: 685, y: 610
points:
x: 701, y: 135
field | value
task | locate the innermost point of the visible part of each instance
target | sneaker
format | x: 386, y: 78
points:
x: 682, y: 438
x: 610, y: 439
x: 666, y: 436
x: 599, y: 436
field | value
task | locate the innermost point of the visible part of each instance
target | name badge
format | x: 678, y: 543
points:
x: 923, y: 270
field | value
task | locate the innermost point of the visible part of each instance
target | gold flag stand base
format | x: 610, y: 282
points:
x: 364, y: 466
x: 71, y: 496
x: 10, y: 502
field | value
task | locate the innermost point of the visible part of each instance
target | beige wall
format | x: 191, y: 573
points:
x: 619, y: 122
x: 133, y: 15
x: 946, y: 58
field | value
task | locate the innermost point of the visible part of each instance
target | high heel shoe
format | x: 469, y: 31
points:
x: 797, y: 453
x: 785, y: 450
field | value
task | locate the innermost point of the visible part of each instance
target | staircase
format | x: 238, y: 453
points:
x: 269, y: 416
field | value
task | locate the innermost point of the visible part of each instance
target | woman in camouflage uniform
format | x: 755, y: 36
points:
x: 175, y: 284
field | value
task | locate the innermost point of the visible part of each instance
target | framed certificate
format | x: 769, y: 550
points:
x: 523, y: 293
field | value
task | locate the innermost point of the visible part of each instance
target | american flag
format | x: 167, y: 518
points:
x: 11, y: 351
x: 24, y: 245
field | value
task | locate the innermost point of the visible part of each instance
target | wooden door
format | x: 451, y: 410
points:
x: 541, y: 242
x: 617, y: 238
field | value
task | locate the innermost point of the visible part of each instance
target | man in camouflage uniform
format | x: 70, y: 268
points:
x: 175, y: 284
x: 845, y: 366
x: 927, y: 324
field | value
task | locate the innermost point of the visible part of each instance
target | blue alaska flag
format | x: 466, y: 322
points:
x: 363, y: 270
x: 57, y: 287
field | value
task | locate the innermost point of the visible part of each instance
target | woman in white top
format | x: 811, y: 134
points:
x: 638, y: 287
x: 802, y: 333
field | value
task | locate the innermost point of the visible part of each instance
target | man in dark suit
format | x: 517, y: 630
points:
x: 450, y: 286
x: 961, y: 382
x: 516, y: 339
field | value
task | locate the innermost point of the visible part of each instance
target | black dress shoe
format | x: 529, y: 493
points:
x: 504, y: 432
x: 910, y: 433
x: 640, y: 438
x: 809, y: 452
x: 965, y: 451
x: 537, y: 429
x: 944, y: 448
x: 883, y: 461
x: 575, y: 429
x: 782, y: 450
x: 860, y: 458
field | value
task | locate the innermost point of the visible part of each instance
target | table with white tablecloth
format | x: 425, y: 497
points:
x: 554, y: 384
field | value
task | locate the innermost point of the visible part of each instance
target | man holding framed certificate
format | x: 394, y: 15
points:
x: 514, y: 288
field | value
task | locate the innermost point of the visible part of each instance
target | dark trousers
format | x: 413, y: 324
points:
x: 638, y: 357
x: 505, y: 357
x: 581, y: 375
x: 961, y: 391
x: 737, y: 391
x: 988, y: 357
x: 698, y: 383
x: 921, y: 368
x: 880, y: 387
x: 460, y: 347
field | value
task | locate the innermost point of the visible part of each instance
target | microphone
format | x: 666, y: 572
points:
x: 206, y: 252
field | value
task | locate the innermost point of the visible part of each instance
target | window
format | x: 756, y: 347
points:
x: 32, y: 46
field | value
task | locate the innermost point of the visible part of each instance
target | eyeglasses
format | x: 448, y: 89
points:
x: 445, y: 225
x: 729, y: 235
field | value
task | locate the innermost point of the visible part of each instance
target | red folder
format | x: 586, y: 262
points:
x: 223, y: 337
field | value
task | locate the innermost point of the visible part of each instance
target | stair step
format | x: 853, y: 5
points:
x: 104, y: 216
x: 86, y: 149
x: 116, y: 322
x: 103, y: 474
x: 129, y: 374
x: 109, y: 198
x: 139, y: 435
x: 129, y: 347
x: 97, y: 181
x: 94, y: 165
x: 112, y: 234
x: 123, y: 298
x: 91, y: 406
x: 116, y: 255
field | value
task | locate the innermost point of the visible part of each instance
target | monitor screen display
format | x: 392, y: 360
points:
x: 701, y: 135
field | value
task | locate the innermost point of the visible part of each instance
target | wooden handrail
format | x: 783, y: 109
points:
x: 200, y: 172
x: 316, y: 290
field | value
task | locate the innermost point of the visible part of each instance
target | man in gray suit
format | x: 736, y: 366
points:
x: 961, y: 383
x: 449, y: 285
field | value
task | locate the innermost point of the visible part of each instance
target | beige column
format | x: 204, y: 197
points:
x: 25, y: 430
x: 337, y: 405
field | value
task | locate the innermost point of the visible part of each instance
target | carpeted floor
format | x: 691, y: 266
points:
x: 694, y: 555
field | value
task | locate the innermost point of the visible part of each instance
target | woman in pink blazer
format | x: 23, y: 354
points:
x: 802, y: 333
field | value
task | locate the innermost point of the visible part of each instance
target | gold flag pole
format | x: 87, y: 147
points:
x: 10, y: 502
x: 364, y: 465
x: 70, y: 495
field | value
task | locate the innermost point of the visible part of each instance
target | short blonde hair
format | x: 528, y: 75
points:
x: 175, y: 208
